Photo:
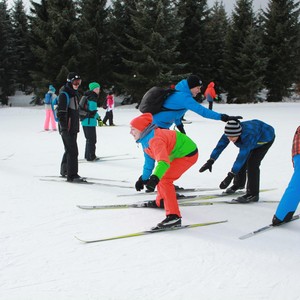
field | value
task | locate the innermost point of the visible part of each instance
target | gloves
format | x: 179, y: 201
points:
x: 139, y: 185
x: 226, y: 118
x: 207, y: 165
x: 100, y: 122
x: 152, y: 183
x: 225, y: 183
x: 180, y: 128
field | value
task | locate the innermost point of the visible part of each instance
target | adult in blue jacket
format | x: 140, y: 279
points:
x: 253, y: 138
x: 291, y: 197
x: 177, y: 104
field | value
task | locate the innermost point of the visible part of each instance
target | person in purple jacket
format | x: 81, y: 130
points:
x: 253, y: 138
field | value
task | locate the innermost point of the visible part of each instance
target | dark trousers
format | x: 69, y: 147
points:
x: 210, y: 105
x: 69, y: 163
x: 109, y: 117
x: 251, y: 168
x: 91, y: 140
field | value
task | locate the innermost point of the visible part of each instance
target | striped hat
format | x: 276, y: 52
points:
x: 233, y: 128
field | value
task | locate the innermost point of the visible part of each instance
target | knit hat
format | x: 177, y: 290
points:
x: 193, y: 81
x: 142, y: 121
x: 233, y: 128
x: 72, y: 76
x: 52, y: 88
x: 94, y: 85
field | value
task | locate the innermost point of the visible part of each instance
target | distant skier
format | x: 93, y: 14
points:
x: 291, y: 197
x: 210, y: 94
x: 174, y: 153
x: 254, y: 138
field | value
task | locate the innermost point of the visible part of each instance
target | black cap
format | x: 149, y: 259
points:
x: 193, y: 81
x: 72, y: 76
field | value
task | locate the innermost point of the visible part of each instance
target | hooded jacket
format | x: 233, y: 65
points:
x: 178, y: 104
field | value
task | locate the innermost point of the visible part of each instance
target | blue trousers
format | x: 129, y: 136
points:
x: 291, y: 197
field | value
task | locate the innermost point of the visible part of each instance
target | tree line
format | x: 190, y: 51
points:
x: 132, y: 45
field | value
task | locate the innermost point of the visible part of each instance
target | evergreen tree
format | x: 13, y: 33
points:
x: 215, y: 46
x: 281, y: 41
x: 93, y: 37
x: 6, y: 54
x: 193, y: 39
x: 21, y: 45
x: 242, y: 56
x: 151, y: 54
x: 58, y: 48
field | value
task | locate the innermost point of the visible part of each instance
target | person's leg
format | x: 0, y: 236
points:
x: 71, y: 155
x: 47, y: 119
x: 253, y: 168
x: 291, y: 197
x: 52, y: 120
x: 165, y: 187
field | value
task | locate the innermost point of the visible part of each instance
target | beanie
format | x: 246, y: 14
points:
x: 142, y: 121
x: 193, y: 81
x: 72, y: 76
x: 94, y: 85
x: 52, y: 88
x: 233, y: 128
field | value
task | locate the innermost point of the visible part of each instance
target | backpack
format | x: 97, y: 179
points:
x: 152, y: 102
x: 83, y: 108
x: 54, y: 104
x: 48, y: 98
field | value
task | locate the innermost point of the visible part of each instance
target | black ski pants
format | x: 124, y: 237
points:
x: 69, y: 163
x: 251, y: 168
x: 91, y: 140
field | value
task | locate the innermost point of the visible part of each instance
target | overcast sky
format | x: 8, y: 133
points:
x: 229, y: 4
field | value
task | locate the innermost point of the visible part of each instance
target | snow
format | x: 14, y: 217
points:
x: 41, y: 259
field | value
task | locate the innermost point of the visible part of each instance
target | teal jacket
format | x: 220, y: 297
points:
x: 92, y: 106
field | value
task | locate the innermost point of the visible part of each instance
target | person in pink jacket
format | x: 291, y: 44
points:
x: 210, y: 94
x: 110, y: 103
x: 49, y: 97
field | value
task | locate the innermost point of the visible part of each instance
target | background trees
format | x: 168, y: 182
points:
x: 132, y: 45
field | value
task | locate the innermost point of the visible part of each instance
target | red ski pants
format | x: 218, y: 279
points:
x: 165, y: 187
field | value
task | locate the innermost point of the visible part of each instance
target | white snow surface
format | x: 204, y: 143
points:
x: 41, y: 259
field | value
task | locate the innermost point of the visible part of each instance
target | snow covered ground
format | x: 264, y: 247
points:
x: 41, y: 259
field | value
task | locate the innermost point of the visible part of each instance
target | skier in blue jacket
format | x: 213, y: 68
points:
x: 254, y: 138
x: 177, y: 104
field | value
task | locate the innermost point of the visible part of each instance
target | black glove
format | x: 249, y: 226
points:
x: 181, y: 128
x: 139, y: 185
x: 226, y: 118
x: 225, y: 183
x: 207, y: 165
x: 152, y: 183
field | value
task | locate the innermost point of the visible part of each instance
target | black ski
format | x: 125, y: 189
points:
x: 145, y: 232
x: 266, y: 228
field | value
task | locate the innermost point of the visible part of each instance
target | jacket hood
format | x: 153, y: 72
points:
x: 183, y: 86
x: 212, y: 84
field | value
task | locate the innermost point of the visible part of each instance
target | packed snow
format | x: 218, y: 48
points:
x: 41, y: 258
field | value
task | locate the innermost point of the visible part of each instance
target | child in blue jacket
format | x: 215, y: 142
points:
x: 253, y: 138
x: 89, y: 124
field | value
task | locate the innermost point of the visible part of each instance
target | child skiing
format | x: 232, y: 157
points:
x: 174, y: 154
x: 254, y: 138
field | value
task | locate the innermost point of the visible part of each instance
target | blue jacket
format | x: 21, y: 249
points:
x: 255, y: 134
x: 181, y: 101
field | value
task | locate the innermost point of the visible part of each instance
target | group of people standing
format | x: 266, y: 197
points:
x: 67, y: 112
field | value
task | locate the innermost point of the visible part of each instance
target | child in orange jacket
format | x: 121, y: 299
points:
x: 168, y: 154
x: 210, y: 94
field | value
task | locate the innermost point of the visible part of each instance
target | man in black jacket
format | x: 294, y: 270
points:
x: 68, y: 124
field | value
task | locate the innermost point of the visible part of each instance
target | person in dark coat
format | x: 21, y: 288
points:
x: 253, y: 138
x: 68, y: 125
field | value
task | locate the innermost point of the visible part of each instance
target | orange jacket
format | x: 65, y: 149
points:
x: 211, y: 90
